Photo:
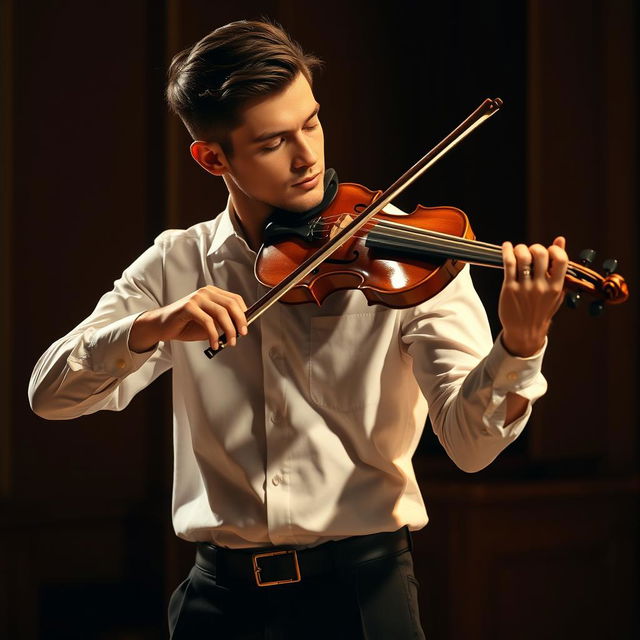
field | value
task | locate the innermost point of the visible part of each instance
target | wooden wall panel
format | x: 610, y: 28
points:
x: 582, y: 167
x: 79, y: 219
x: 81, y: 204
x: 6, y: 196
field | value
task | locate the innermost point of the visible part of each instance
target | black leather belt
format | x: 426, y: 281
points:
x: 270, y: 566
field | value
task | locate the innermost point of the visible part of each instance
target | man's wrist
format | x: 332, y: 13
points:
x: 522, y: 347
x: 144, y: 333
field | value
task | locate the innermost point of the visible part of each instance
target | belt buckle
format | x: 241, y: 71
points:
x: 257, y: 569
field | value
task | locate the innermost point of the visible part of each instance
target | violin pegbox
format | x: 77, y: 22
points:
x: 586, y: 257
x: 581, y: 279
x: 609, y: 266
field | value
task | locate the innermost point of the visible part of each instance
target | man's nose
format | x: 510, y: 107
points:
x: 304, y: 154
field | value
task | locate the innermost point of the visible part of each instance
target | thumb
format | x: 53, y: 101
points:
x: 560, y: 242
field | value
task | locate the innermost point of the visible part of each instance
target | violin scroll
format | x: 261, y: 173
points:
x: 608, y: 289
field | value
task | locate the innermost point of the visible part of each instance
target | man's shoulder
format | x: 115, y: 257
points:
x: 200, y: 235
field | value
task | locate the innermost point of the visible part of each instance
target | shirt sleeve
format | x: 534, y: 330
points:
x: 465, y: 376
x: 92, y: 367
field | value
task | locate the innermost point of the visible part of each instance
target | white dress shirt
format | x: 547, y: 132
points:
x: 304, y: 432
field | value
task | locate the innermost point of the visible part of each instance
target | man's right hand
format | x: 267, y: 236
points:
x: 202, y: 315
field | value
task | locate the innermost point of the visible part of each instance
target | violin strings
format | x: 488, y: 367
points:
x: 418, y: 240
x: 436, y: 246
x: 442, y: 240
x: 376, y: 224
x: 463, y: 248
x: 492, y: 252
x: 438, y: 234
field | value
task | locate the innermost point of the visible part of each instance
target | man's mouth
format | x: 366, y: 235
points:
x: 308, y: 181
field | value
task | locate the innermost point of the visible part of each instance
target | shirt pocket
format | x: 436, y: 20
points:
x: 347, y: 358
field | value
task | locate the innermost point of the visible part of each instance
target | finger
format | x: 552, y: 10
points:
x: 233, y: 303
x: 236, y: 307
x: 509, y: 262
x: 524, y: 261
x: 206, y: 321
x: 241, y: 302
x: 540, y: 262
x: 222, y: 319
x: 560, y: 242
x: 559, y: 261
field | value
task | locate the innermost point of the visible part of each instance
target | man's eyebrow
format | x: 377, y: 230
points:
x: 267, y: 136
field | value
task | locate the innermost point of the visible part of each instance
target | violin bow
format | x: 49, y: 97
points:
x: 475, y: 119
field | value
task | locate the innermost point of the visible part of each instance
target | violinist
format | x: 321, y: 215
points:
x: 293, y: 475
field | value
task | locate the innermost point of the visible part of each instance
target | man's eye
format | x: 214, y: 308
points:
x: 273, y: 148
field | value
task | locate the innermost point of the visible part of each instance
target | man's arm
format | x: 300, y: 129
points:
x: 528, y: 302
x: 202, y: 315
x: 479, y: 395
x: 92, y: 367
x: 125, y: 343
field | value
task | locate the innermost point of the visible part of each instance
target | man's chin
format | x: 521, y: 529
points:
x: 300, y: 207
x: 306, y: 201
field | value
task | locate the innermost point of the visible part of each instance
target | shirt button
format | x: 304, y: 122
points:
x: 512, y: 376
x: 120, y: 363
x: 276, y: 480
x: 274, y: 354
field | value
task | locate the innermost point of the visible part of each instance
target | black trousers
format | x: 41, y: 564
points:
x: 376, y: 600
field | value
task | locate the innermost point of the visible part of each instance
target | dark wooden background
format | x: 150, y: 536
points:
x: 543, y: 544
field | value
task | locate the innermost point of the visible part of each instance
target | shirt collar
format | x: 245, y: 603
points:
x: 228, y: 229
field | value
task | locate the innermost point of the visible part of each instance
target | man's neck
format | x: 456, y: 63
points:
x: 250, y: 215
x: 252, y: 237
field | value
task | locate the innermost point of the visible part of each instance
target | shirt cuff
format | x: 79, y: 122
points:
x: 106, y: 350
x: 513, y: 373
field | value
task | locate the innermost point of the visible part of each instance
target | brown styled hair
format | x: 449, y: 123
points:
x: 209, y: 83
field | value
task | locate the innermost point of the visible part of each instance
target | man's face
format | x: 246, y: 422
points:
x: 280, y: 144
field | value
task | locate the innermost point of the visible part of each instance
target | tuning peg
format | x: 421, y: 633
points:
x: 596, y: 308
x: 572, y: 299
x: 609, y: 265
x: 586, y: 257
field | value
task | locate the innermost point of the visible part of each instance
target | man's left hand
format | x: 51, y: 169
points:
x: 531, y: 293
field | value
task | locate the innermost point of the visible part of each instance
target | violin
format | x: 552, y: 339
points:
x: 349, y: 242
x: 400, y: 261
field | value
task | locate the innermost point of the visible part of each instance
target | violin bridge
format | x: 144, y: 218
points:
x: 343, y: 221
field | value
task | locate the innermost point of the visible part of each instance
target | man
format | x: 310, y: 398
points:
x: 293, y: 450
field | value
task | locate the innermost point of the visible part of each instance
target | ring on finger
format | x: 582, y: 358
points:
x: 526, y: 271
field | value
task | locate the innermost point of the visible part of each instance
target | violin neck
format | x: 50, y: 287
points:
x: 422, y: 243
x: 397, y: 237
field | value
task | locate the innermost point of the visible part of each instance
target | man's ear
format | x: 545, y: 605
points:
x: 210, y: 156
